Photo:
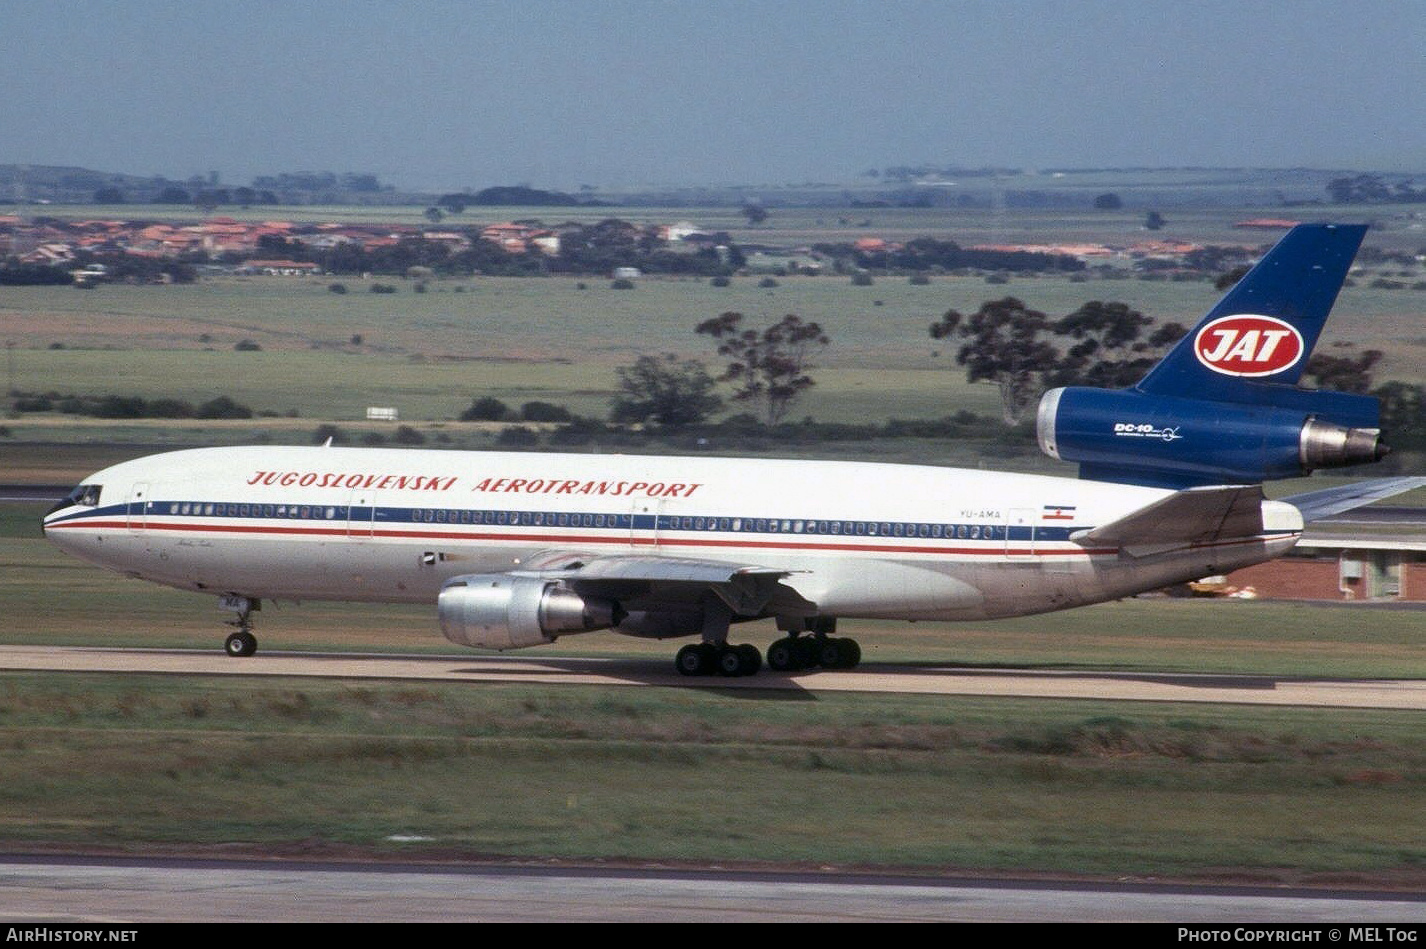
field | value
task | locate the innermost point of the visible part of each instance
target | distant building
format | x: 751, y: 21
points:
x: 1351, y: 559
x: 1267, y: 224
x: 281, y: 268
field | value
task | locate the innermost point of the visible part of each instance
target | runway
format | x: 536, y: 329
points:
x: 923, y: 679
x: 94, y: 890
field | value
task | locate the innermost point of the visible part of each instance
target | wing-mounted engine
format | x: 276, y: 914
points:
x: 502, y: 611
x: 1132, y: 437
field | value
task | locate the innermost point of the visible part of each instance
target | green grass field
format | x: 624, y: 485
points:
x: 430, y: 354
x: 847, y: 781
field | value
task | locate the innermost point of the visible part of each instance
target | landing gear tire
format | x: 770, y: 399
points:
x: 839, y: 653
x: 792, y: 653
x: 696, y: 659
x: 784, y: 655
x: 240, y: 644
x: 741, y: 660
x: 702, y: 659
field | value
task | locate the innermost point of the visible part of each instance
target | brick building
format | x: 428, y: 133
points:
x: 1369, y: 555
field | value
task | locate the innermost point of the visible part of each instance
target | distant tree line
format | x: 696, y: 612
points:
x: 927, y: 253
x: 584, y: 250
x: 1373, y: 189
x: 130, y: 268
x: 128, y: 406
x: 16, y: 274
x: 326, y: 187
x: 121, y: 268
x: 512, y: 196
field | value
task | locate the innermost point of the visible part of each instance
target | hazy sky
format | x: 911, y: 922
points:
x: 558, y: 93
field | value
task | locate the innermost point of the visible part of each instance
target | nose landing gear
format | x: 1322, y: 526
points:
x: 242, y: 642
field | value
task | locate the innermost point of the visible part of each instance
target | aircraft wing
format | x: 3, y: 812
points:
x: 1318, y: 505
x: 651, y: 581
x: 651, y: 568
x: 1192, y: 516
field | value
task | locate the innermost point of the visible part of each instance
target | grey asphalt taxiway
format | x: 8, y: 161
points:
x: 90, y: 890
x: 929, y: 679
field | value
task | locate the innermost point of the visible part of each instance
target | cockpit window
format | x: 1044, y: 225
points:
x: 86, y: 495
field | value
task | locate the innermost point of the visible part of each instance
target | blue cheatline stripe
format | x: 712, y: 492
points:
x: 692, y: 524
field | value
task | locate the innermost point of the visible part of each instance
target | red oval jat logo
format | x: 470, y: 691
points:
x: 1248, y: 344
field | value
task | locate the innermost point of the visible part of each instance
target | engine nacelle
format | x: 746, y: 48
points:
x: 499, y: 611
x: 1128, y: 436
x: 661, y: 624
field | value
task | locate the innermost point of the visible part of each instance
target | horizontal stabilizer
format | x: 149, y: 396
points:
x: 1317, y: 505
x: 1192, y: 516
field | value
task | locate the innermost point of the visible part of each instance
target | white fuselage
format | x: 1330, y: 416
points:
x: 856, y: 539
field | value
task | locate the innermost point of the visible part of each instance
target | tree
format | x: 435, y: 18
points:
x: 665, y: 391
x: 545, y: 412
x: 755, y: 213
x: 1403, y: 414
x: 1109, y: 349
x: 1359, y: 189
x: 487, y: 409
x: 1005, y: 343
x: 209, y: 199
x: 1154, y: 221
x: 1231, y: 278
x: 770, y: 366
x: 224, y: 407
x: 453, y: 203
x: 1344, y: 369
x: 1109, y: 202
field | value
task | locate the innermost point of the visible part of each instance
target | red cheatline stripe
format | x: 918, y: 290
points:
x: 988, y: 548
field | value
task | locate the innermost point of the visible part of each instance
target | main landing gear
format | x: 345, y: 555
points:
x: 714, y: 656
x: 242, y: 642
x: 703, y: 659
x: 821, y: 648
x: 806, y: 652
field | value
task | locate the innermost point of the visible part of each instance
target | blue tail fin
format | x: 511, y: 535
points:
x: 1223, y: 407
x: 1264, y: 329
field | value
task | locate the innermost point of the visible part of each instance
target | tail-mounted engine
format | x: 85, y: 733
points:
x: 1131, y: 437
x: 500, y: 611
x: 1224, y: 406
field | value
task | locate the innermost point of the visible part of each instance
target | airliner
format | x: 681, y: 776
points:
x: 519, y: 549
